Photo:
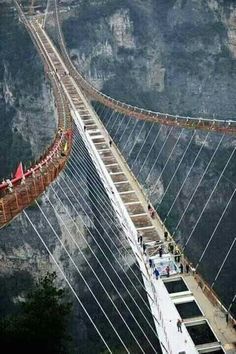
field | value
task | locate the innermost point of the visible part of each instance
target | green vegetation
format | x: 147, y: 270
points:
x: 13, y: 286
x: 41, y: 324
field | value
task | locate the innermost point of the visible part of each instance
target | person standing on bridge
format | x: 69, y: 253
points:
x: 177, y: 254
x: 171, y: 247
x: 168, y: 271
x: 166, y: 235
x: 144, y: 248
x: 179, y: 325
x: 10, y: 185
x: 140, y: 239
x: 187, y: 268
x: 151, y: 211
x: 156, y: 273
x: 160, y: 251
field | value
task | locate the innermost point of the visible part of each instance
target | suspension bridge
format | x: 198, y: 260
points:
x: 92, y: 124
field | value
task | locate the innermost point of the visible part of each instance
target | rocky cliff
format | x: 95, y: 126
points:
x: 26, y: 100
x: 176, y: 56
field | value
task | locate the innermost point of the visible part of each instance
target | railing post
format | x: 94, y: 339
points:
x: 3, y: 210
x: 17, y: 202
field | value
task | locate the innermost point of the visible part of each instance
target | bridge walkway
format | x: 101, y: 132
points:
x: 125, y: 183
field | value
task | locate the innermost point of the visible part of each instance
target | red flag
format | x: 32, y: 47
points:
x: 19, y: 172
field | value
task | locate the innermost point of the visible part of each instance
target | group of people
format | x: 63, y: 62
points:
x: 156, y: 271
x: 187, y: 268
x: 167, y: 269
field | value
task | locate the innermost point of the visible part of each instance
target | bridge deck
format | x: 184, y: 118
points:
x: 125, y: 183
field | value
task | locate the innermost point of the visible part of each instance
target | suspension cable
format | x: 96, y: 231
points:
x: 113, y: 122
x: 168, y: 159
x: 81, y: 275
x: 117, y: 237
x: 104, y: 202
x: 144, y: 142
x: 46, y: 14
x: 216, y: 227
x: 159, y: 130
x: 127, y: 326
x: 136, y: 139
x: 163, y: 145
x: 67, y: 185
x: 199, y: 182
x: 110, y: 238
x: 121, y: 122
x: 187, y: 175
x: 103, y: 109
x: 231, y: 303
x: 107, y: 122
x: 106, y: 119
x: 100, y: 108
x: 217, y: 171
x: 130, y: 134
x: 212, y: 192
x: 67, y: 281
x: 105, y: 256
x: 222, y: 265
x: 178, y: 166
x: 76, y: 267
x: 124, y: 131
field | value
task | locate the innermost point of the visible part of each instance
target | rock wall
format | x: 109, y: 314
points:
x: 176, y: 56
x: 28, y: 120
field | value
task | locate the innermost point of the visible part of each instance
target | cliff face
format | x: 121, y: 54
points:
x: 26, y: 100
x: 176, y: 56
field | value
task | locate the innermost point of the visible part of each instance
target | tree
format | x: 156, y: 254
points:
x: 41, y: 325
